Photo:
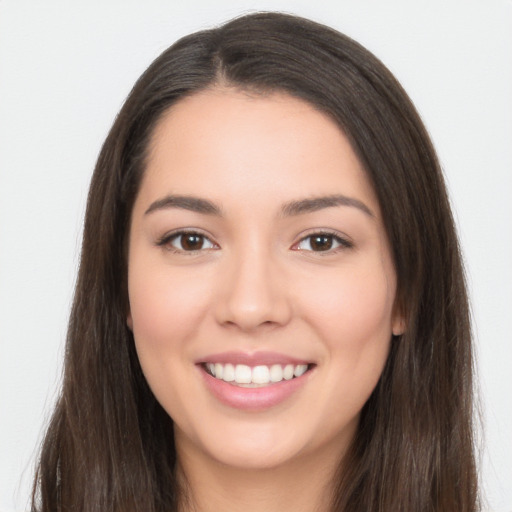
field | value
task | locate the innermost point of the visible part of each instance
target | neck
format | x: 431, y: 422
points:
x: 303, y: 485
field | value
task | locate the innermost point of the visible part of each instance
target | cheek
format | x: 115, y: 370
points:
x: 165, y: 307
x: 351, y: 315
x: 352, y: 311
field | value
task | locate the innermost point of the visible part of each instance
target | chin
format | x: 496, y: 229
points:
x: 268, y: 446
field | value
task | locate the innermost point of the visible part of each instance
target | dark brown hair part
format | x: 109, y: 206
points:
x: 109, y: 445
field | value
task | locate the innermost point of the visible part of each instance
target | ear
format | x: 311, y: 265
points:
x: 129, y: 321
x: 398, y: 327
x: 399, y: 324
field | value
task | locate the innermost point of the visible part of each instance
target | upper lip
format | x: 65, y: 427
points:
x: 251, y: 359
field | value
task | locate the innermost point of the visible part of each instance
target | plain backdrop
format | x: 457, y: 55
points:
x: 65, y: 69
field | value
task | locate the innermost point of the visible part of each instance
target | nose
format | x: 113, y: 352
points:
x: 253, y: 293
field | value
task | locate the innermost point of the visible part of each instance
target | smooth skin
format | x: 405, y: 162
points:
x: 259, y: 269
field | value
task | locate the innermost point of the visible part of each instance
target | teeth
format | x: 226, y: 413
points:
x: 300, y: 369
x: 242, y: 374
x: 288, y: 372
x: 276, y: 373
x: 229, y: 373
x: 219, y: 370
x: 259, y: 375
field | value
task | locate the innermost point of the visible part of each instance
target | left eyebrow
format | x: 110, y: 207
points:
x: 194, y: 204
x: 319, y: 203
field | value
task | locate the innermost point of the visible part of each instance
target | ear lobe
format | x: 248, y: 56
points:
x: 398, y: 327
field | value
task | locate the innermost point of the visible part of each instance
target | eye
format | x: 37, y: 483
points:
x: 186, y: 241
x: 322, y: 242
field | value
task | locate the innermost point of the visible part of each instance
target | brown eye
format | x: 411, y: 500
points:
x: 191, y: 242
x: 323, y: 242
x: 187, y: 242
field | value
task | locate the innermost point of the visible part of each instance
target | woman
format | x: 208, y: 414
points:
x: 270, y: 311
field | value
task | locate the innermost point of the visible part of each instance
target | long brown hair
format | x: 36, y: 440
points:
x: 109, y: 446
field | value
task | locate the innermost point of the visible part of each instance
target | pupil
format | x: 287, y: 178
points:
x: 321, y: 242
x: 192, y: 242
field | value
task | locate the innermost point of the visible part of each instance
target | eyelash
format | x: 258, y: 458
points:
x: 166, y: 240
x: 335, y: 238
x: 343, y: 243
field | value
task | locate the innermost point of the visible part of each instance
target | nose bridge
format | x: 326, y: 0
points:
x: 253, y: 294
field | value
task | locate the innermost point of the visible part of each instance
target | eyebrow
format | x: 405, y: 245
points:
x: 319, y: 203
x: 290, y: 209
x: 194, y: 204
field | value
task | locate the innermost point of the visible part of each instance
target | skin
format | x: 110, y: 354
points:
x: 256, y: 284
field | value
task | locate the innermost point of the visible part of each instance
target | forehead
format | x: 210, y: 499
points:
x: 227, y: 143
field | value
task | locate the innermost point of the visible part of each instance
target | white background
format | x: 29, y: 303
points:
x: 65, y: 69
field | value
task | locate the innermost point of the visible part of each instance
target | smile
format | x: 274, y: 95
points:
x: 261, y: 375
x: 254, y: 382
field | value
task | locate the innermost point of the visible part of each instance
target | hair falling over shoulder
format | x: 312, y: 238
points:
x: 109, y: 445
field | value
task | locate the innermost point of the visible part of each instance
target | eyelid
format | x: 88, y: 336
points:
x: 343, y: 240
x: 165, y: 239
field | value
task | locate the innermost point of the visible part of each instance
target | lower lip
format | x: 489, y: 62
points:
x: 253, y: 399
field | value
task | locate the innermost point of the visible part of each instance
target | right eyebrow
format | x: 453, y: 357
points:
x: 319, y: 203
x: 194, y: 204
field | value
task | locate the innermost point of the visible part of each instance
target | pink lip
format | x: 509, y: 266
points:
x: 254, y: 359
x: 253, y: 399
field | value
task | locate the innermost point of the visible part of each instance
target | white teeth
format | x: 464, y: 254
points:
x: 219, y: 370
x: 300, y: 369
x: 276, y: 373
x: 229, y: 373
x: 288, y: 372
x: 259, y: 375
x: 243, y: 374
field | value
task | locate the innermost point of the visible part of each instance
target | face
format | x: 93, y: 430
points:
x: 260, y: 281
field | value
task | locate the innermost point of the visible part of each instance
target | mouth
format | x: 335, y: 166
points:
x: 254, y: 382
x: 246, y: 376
